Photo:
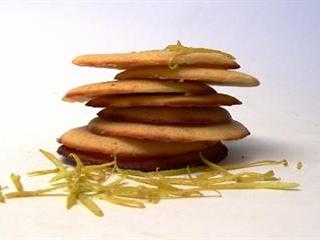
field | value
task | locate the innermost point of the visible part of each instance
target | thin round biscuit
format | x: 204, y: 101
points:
x: 167, y: 115
x: 169, y: 133
x: 211, y: 76
x: 162, y: 100
x: 83, y: 140
x: 156, y: 58
x: 89, y: 91
x: 214, y: 153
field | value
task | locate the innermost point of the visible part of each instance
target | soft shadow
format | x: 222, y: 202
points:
x: 68, y: 161
x: 258, y: 148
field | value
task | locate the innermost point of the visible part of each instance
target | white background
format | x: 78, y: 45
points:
x: 276, y: 41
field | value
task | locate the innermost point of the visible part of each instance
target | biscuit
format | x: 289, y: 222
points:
x: 83, y: 140
x: 156, y: 58
x: 214, y: 153
x: 170, y: 100
x: 169, y: 133
x: 89, y: 91
x: 211, y: 76
x: 167, y: 115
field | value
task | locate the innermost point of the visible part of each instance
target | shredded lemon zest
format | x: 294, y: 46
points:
x: 255, y: 164
x: 34, y: 193
x: 2, y: 198
x: 132, y: 188
x: 256, y: 185
x: 71, y: 199
x: 299, y: 165
x: 91, y: 205
x: 179, y: 50
x: 61, y: 175
x: 54, y: 160
x: 214, y: 166
x: 122, y: 201
x: 16, y: 182
x: 79, y: 165
x: 42, y: 172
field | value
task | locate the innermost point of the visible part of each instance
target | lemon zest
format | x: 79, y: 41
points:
x: 54, y: 160
x: 42, y: 172
x: 91, y: 205
x: 16, y: 182
x: 215, y: 167
x: 132, y: 188
x: 179, y: 50
x: 40, y: 192
x: 299, y: 165
x: 122, y: 201
x: 2, y: 198
x: 256, y: 185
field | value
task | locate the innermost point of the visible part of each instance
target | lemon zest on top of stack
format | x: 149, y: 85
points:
x: 179, y: 50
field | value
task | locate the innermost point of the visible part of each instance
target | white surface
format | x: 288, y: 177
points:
x: 276, y: 42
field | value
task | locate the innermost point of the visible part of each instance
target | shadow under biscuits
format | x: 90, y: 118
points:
x: 259, y: 148
x: 67, y: 161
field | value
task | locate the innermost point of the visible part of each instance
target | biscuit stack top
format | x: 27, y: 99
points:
x: 159, y: 110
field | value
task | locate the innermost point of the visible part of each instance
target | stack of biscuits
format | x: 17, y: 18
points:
x: 160, y: 112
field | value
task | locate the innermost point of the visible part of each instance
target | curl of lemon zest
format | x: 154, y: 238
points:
x: 99, y: 175
x: 254, y: 164
x: 16, y: 182
x: 299, y: 165
x: 215, y: 167
x: 104, y: 166
x: 253, y: 176
x: 285, y: 163
x: 79, y: 165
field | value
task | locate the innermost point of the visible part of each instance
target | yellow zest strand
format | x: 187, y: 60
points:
x: 2, y: 198
x: 214, y: 166
x: 88, y: 203
x: 16, y: 181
